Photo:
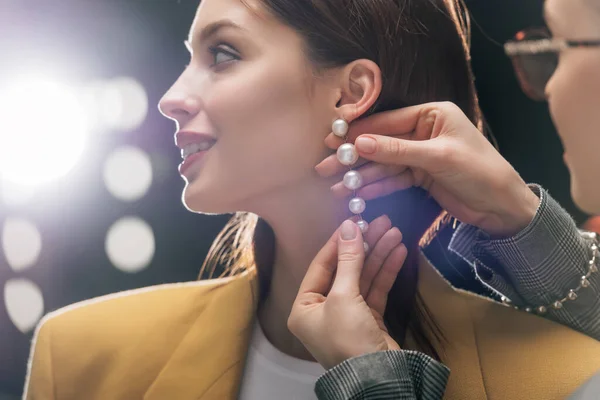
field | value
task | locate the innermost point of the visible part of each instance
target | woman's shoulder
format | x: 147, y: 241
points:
x: 131, y: 308
x: 94, y: 343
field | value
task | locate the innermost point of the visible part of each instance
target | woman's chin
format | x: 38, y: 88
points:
x: 200, y: 201
x: 205, y: 201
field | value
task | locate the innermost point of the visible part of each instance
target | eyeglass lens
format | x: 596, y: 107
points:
x: 535, y: 70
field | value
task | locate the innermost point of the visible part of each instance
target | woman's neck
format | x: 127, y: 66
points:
x: 302, y: 224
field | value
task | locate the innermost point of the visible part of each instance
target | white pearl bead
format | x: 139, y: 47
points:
x: 353, y: 180
x: 557, y: 305
x: 347, y: 154
x: 357, y: 205
x: 584, y: 282
x: 339, y: 128
x: 363, y: 225
x: 542, y: 310
x: 366, y: 247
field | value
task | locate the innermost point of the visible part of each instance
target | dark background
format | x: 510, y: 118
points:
x: 143, y: 39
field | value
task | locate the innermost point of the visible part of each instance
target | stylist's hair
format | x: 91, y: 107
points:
x: 422, y: 49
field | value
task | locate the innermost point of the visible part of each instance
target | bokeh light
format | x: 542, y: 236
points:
x: 130, y: 244
x: 128, y: 173
x: 24, y: 303
x: 118, y: 104
x: 14, y: 193
x: 21, y: 243
x: 43, y: 129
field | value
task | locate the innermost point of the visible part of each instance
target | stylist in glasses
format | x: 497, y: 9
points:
x: 520, y: 242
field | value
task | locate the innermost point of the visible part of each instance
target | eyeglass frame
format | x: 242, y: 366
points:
x: 541, y: 46
x: 545, y: 45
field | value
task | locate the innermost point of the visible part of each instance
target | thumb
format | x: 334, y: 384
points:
x: 393, y: 151
x: 351, y: 256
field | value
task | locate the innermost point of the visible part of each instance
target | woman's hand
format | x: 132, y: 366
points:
x: 436, y: 147
x: 338, y: 313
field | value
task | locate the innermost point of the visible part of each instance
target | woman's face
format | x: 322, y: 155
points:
x: 574, y: 96
x: 250, y: 88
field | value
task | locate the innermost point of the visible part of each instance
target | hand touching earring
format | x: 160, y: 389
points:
x: 436, y: 147
x: 338, y: 312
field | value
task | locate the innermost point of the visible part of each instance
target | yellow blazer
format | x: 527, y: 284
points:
x: 189, y: 341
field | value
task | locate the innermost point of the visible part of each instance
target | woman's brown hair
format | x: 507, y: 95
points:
x: 422, y: 49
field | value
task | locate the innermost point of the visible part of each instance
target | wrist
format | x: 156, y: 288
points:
x: 519, y: 215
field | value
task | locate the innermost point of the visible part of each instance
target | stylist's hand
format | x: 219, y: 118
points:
x: 338, y: 313
x: 436, y: 147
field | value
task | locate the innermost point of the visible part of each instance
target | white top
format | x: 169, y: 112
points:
x: 270, y: 374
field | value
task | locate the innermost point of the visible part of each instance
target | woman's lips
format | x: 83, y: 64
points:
x: 191, y: 160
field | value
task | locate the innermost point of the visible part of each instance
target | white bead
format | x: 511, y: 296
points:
x: 353, y: 180
x: 347, y: 154
x: 541, y: 310
x: 366, y: 247
x: 557, y: 305
x: 584, y: 282
x: 572, y: 295
x: 363, y: 225
x: 339, y: 128
x: 357, y: 205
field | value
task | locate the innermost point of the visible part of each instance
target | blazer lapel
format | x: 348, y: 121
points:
x: 214, y: 349
x: 496, y: 352
x: 458, y: 349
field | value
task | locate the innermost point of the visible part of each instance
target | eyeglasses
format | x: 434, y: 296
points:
x: 534, y: 54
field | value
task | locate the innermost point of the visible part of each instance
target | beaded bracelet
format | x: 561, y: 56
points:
x: 572, y: 295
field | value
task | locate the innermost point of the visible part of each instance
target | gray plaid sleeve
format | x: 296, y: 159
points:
x: 539, y: 265
x: 392, y: 374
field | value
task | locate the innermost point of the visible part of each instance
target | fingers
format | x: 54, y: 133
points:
x: 372, y: 173
x: 351, y: 255
x: 400, y: 122
x: 331, y: 166
x: 387, y: 186
x: 377, y: 228
x: 393, y: 151
x: 321, y: 271
x: 390, y: 240
x: 385, y: 278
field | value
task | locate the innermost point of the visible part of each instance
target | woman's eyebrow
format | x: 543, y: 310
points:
x: 210, y: 30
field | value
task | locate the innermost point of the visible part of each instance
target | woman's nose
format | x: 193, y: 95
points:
x: 179, y: 105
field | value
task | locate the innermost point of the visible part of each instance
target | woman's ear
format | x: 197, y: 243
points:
x: 360, y: 86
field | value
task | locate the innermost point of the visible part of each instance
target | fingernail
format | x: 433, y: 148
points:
x: 366, y: 144
x: 318, y: 168
x: 348, y: 230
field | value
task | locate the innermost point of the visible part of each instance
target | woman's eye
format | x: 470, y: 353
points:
x: 220, y: 55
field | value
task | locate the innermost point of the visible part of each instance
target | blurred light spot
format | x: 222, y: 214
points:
x: 24, y: 303
x: 21, y: 242
x: 120, y: 103
x: 43, y: 128
x: 128, y: 173
x: 130, y: 244
x: 14, y: 194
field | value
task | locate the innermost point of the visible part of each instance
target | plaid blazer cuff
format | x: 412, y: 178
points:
x: 539, y: 265
x: 392, y: 374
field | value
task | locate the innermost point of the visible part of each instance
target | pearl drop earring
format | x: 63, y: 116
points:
x: 348, y: 155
